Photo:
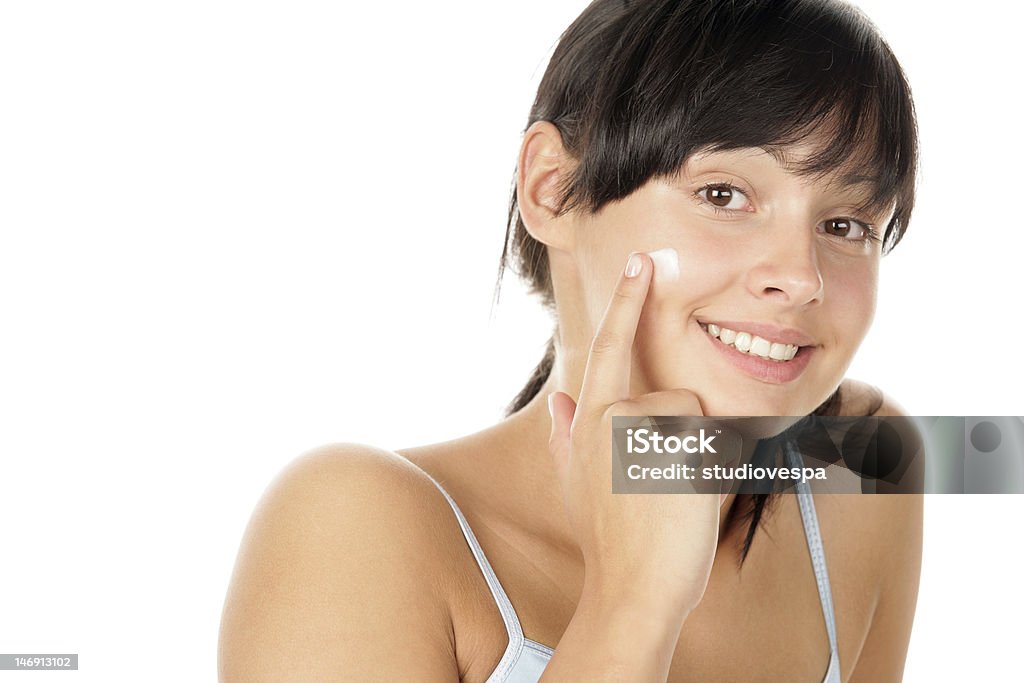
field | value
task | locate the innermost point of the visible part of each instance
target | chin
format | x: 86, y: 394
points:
x: 727, y: 408
x: 717, y: 403
x: 766, y: 418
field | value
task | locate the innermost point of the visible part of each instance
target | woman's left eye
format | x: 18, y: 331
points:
x: 847, y: 228
x: 724, y: 196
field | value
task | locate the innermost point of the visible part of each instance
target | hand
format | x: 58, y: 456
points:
x: 659, y: 547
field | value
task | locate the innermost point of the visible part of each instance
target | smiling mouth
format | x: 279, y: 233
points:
x: 753, y: 345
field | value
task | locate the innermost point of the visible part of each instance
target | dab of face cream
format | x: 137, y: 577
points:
x: 666, y: 264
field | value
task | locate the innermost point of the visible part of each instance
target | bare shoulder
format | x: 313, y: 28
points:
x: 341, y: 574
x: 860, y: 398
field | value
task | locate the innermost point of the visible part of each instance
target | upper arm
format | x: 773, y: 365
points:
x: 897, y: 540
x: 337, y: 577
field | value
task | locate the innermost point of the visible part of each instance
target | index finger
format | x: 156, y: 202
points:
x: 606, y: 378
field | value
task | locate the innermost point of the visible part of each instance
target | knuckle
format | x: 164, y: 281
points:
x: 622, y: 297
x: 686, y: 399
x: 623, y: 408
x: 622, y: 294
x: 668, y: 402
x: 605, y: 342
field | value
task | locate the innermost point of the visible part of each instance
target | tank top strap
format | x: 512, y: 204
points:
x: 817, y: 550
x: 516, y: 639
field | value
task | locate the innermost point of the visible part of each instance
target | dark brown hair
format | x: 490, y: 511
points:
x: 635, y: 87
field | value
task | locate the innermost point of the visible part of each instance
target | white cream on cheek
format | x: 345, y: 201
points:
x: 666, y: 264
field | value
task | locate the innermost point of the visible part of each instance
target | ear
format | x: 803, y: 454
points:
x: 543, y: 164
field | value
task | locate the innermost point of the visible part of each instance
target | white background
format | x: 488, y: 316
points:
x: 231, y: 232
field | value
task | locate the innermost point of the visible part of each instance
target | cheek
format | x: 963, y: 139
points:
x: 600, y: 264
x: 691, y: 269
x: 605, y: 246
x: 850, y: 297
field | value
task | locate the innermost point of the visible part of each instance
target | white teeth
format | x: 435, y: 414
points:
x: 752, y: 344
x: 761, y: 347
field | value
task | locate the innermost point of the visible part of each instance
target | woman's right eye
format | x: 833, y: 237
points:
x: 725, y: 197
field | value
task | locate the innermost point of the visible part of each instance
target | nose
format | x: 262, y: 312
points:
x: 788, y: 273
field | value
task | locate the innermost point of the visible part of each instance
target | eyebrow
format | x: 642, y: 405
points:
x: 857, y: 183
x: 852, y: 179
x: 846, y: 181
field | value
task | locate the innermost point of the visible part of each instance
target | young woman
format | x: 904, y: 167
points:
x: 764, y: 153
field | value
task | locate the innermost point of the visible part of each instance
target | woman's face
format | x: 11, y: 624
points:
x: 761, y: 250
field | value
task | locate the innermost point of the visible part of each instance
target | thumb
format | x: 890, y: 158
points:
x: 562, y: 409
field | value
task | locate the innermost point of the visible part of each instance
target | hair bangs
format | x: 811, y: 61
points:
x: 684, y: 77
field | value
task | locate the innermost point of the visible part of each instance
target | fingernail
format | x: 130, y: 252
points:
x: 634, y: 265
x: 551, y: 405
